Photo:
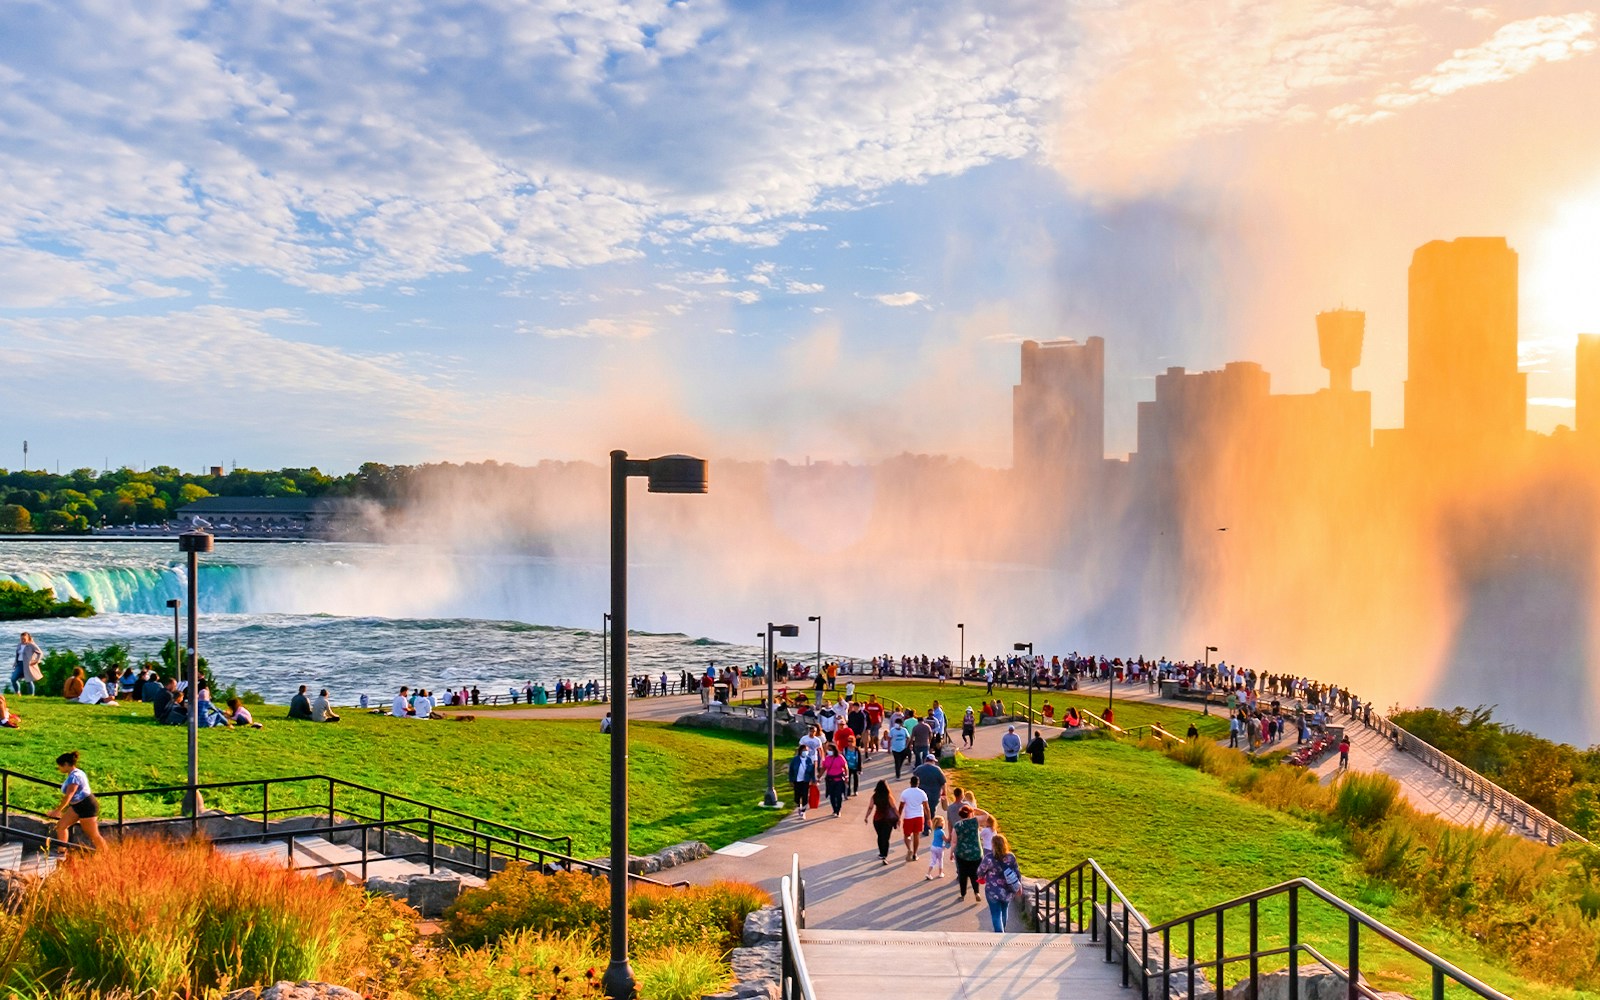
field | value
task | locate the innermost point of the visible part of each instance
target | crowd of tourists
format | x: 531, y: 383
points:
x: 930, y: 814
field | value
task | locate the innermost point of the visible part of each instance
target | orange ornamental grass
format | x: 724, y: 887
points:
x: 163, y: 919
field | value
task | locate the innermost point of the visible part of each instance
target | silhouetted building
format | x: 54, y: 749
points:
x: 1586, y: 420
x: 1339, y: 336
x: 1058, y: 411
x: 1200, y: 419
x: 1462, y: 383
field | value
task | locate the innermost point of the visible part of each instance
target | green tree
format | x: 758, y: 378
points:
x: 15, y: 519
x: 189, y: 493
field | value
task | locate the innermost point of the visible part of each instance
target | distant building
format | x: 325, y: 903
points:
x: 309, y: 516
x: 1058, y: 411
x: 1462, y: 382
x: 1199, y: 419
x: 1587, y: 417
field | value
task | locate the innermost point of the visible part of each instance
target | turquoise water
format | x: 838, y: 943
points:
x: 353, y: 618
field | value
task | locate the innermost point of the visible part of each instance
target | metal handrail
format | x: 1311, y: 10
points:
x: 1506, y: 805
x: 1101, y: 722
x: 265, y: 812
x: 1049, y: 911
x: 797, y: 983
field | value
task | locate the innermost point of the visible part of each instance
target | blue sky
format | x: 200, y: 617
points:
x: 302, y: 232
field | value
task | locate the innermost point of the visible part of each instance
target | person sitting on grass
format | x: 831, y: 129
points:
x: 210, y: 716
x: 239, y: 715
x: 321, y: 711
x: 300, y: 706
x: 95, y: 692
x: 8, y: 718
x: 127, y: 684
x: 402, y: 703
x: 422, y: 705
x: 74, y: 685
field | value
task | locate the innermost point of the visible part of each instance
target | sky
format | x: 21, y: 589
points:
x: 322, y: 232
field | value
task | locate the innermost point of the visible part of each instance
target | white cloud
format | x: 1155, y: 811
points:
x: 746, y: 297
x: 899, y: 299
x: 609, y: 329
x: 803, y: 288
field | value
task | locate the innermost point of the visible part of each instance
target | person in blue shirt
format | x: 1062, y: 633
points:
x: 78, y: 806
x: 1011, y: 744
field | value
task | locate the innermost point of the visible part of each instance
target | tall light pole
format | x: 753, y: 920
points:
x: 818, y: 620
x: 192, y: 543
x: 1209, y: 651
x: 788, y: 631
x: 1019, y: 647
x: 668, y: 474
x: 605, y: 653
x: 961, y: 668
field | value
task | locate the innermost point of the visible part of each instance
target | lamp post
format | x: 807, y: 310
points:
x: 605, y: 653
x: 1019, y: 646
x: 818, y: 620
x: 1209, y: 651
x: 961, y: 667
x: 789, y: 631
x: 192, y: 543
x: 668, y: 474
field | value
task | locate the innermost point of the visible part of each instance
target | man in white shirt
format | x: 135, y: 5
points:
x: 423, y: 706
x: 913, y: 813
x: 95, y: 693
x: 402, y: 704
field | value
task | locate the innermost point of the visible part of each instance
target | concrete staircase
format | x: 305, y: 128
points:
x: 313, y: 852
x: 962, y: 964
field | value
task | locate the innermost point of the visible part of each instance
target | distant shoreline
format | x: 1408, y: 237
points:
x: 173, y: 537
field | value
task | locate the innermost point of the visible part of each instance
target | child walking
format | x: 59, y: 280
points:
x: 936, y: 855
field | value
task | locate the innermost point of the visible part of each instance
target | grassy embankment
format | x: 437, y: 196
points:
x: 550, y: 777
x: 1175, y: 840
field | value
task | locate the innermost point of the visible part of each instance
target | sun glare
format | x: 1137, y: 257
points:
x: 1561, y: 274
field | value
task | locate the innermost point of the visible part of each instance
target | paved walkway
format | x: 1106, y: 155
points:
x: 847, y: 966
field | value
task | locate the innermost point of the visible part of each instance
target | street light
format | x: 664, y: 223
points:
x: 961, y: 668
x: 192, y: 543
x: 1019, y: 646
x: 605, y: 653
x: 788, y: 631
x: 1209, y: 651
x: 818, y: 620
x: 668, y: 474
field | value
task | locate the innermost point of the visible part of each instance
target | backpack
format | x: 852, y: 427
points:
x: 852, y: 757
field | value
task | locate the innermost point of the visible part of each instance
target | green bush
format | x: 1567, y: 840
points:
x: 523, y: 965
x: 19, y: 603
x: 682, y: 974
x: 1364, y: 798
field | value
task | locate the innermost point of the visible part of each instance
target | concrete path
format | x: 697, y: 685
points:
x: 847, y: 965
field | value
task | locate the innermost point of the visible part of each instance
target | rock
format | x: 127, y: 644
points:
x: 758, y: 962
x: 308, y: 991
x: 682, y: 854
x: 1316, y: 983
x: 399, y: 888
x: 429, y: 895
x: 16, y: 887
x: 763, y: 925
x: 241, y: 995
x: 648, y: 864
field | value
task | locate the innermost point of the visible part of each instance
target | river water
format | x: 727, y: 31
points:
x: 357, y: 619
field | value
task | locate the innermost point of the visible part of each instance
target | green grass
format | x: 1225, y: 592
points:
x: 550, y: 776
x: 955, y: 698
x: 1175, y: 840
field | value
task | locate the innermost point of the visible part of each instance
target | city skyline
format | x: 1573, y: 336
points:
x: 516, y: 232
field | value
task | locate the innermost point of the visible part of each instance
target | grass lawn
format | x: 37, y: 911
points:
x: 550, y: 776
x: 1175, y: 840
x: 955, y: 698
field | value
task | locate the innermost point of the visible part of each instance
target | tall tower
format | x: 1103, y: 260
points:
x: 1058, y: 411
x: 1339, y: 335
x: 1462, y: 383
x: 1587, y: 419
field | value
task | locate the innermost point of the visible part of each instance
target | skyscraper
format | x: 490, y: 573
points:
x: 1587, y: 419
x: 1058, y: 420
x: 1462, y: 383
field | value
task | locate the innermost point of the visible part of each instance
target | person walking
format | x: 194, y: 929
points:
x: 969, y: 728
x: 1344, y: 753
x: 802, y: 772
x: 1011, y: 745
x: 835, y: 773
x: 78, y: 806
x: 882, y: 815
x: 899, y: 746
x: 968, y: 851
x: 1002, y: 880
x: 913, y: 814
x: 1036, y: 748
x: 25, y: 667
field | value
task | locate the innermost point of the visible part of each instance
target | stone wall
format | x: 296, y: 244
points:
x: 758, y: 961
x: 743, y: 721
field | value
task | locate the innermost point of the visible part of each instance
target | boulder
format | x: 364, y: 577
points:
x: 758, y: 971
x: 306, y: 991
x: 1316, y: 983
x: 429, y: 895
x: 648, y: 864
x: 16, y: 887
x: 399, y: 888
x: 762, y: 926
x: 683, y: 853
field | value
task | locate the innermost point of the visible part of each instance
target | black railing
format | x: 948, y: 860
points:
x: 792, y: 900
x: 1085, y: 900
